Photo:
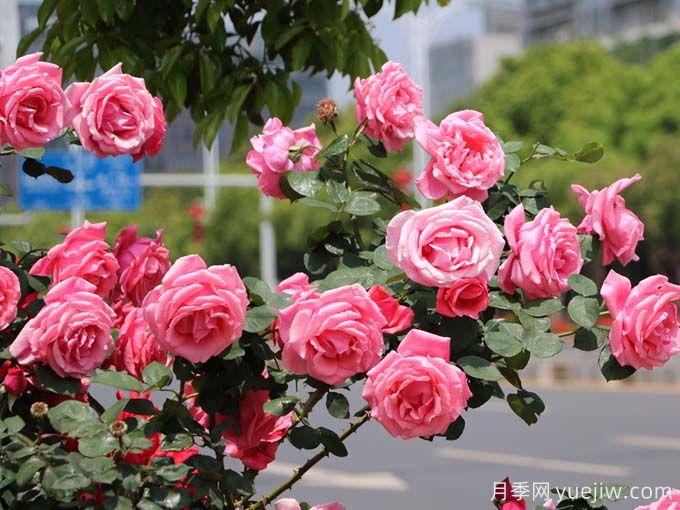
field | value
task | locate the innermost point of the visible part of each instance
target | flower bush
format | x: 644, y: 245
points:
x: 434, y: 311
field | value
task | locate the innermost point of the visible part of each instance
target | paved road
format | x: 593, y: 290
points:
x: 584, y: 437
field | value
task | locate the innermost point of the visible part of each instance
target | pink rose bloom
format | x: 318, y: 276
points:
x: 279, y: 149
x: 468, y: 297
x: 71, y: 333
x: 415, y: 391
x: 197, y: 311
x: 298, y: 287
x: 467, y: 158
x: 83, y: 253
x: 121, y: 308
x: 259, y: 433
x: 544, y: 253
x: 292, y: 504
x: 143, y: 263
x: 440, y: 245
x: 136, y: 347
x: 10, y: 295
x: 32, y: 104
x: 549, y: 504
x: 398, y: 317
x: 644, y: 332
x: 334, y: 336
x: 618, y: 228
x: 670, y: 501
x: 115, y: 114
x: 389, y: 102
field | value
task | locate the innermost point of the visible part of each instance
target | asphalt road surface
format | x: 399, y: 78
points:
x: 584, y: 438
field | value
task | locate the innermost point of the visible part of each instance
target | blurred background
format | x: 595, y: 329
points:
x: 562, y: 72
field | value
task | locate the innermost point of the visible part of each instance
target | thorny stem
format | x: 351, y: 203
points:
x: 299, y: 473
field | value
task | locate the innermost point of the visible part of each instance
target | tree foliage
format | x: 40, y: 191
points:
x: 221, y: 59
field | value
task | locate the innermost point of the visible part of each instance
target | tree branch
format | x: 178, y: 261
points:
x: 299, y: 473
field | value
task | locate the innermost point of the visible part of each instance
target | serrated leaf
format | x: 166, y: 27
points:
x: 118, y: 380
x: 611, y: 369
x: 157, y: 375
x: 280, y: 406
x: 584, y: 311
x: 362, y: 204
x: 258, y: 318
x: 336, y: 147
x: 306, y: 184
x: 582, y: 285
x: 543, y: 344
x: 479, y: 368
x: 506, y: 340
x: 590, y: 153
x: 337, y: 405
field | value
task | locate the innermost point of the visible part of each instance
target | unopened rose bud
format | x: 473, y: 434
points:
x: 118, y: 428
x: 39, y: 409
x: 327, y: 110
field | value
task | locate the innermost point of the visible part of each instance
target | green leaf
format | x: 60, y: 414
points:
x: 27, y: 469
x: 479, y: 368
x: 32, y: 152
x: 582, y: 285
x: 14, y: 424
x: 338, y: 146
x: 304, y: 437
x: 119, y: 380
x: 312, y: 202
x: 114, y: 411
x: 589, y: 339
x: 584, y: 311
x: 72, y: 482
x: 156, y: 375
x: 97, y: 445
x: 280, y: 406
x: 234, y: 351
x: 177, y: 83
x: 590, y: 153
x: 70, y: 416
x: 337, y: 191
x: 543, y: 308
x: 258, y: 318
x: 455, y: 430
x: 382, y: 259
x: 52, y: 382
x: 503, y: 301
x: 512, y: 146
x: 534, y: 323
x: 306, y: 184
x: 512, y: 163
x: 173, y: 473
x: 337, y: 405
x: 611, y: 369
x: 526, y: 405
x: 362, y: 203
x: 543, y: 345
x: 177, y: 442
x: 505, y: 339
x: 238, y: 483
x: 332, y: 442
x: 140, y: 406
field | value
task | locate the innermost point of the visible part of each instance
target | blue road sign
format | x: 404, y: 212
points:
x: 99, y: 184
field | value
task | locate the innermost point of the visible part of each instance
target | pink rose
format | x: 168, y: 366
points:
x: 544, y: 253
x: 415, y: 391
x: 618, y: 228
x: 197, y: 311
x: 259, y: 433
x: 298, y: 287
x: 644, y: 332
x: 83, y: 253
x: 549, y: 504
x: 440, y: 245
x: 71, y: 333
x: 670, y: 501
x: 32, y: 104
x: 398, y: 317
x: 279, y: 149
x: 143, y: 263
x: 333, y: 336
x: 10, y: 295
x: 389, y: 102
x: 136, y: 347
x: 467, y: 158
x: 292, y: 504
x: 468, y: 297
x: 115, y: 114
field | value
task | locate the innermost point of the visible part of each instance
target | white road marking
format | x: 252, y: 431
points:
x: 653, y: 442
x: 507, y: 459
x: 321, y: 477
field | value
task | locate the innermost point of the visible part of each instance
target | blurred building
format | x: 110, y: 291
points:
x: 460, y: 65
x: 612, y: 21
